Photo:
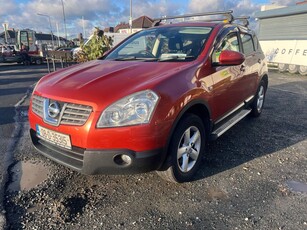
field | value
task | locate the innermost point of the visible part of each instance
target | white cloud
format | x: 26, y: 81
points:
x: 6, y: 8
x: 197, y: 6
x: 239, y: 7
x: 104, y: 13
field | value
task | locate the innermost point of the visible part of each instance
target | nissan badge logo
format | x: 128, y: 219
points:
x: 53, y: 110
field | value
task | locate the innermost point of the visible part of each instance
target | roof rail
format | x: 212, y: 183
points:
x: 227, y: 14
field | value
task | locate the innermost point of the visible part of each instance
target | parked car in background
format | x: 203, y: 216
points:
x: 153, y: 102
x: 65, y: 48
x: 8, y: 54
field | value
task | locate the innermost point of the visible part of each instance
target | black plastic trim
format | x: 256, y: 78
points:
x: 98, y: 161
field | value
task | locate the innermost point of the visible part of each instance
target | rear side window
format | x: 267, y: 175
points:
x: 248, y: 44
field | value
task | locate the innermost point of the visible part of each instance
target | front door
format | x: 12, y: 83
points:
x: 227, y: 80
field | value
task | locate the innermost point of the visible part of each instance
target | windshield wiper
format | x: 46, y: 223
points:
x: 177, y: 58
x: 131, y: 58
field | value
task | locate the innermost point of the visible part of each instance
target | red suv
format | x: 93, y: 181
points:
x: 153, y: 102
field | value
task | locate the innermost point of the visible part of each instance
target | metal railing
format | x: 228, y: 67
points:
x: 64, y: 57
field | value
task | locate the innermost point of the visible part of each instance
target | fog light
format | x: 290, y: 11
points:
x: 122, y: 159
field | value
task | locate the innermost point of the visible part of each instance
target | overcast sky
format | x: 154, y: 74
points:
x: 21, y: 14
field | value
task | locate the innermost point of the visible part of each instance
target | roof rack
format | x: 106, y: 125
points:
x: 228, y: 16
x: 243, y: 19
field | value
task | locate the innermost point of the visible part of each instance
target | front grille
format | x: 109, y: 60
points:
x: 72, y: 114
x: 75, y: 114
x: 38, y: 105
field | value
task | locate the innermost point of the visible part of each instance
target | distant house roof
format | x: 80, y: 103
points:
x: 141, y: 22
x: 109, y: 29
x: 300, y: 3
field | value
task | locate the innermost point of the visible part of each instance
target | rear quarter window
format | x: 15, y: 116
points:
x: 248, y: 44
x: 256, y: 43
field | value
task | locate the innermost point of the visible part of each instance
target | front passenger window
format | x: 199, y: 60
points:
x: 230, y: 42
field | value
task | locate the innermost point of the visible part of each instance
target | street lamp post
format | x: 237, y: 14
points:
x: 5, y: 26
x: 130, y: 19
x: 64, y: 20
x: 58, y: 35
x: 45, y: 15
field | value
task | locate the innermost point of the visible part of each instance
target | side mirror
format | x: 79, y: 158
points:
x: 228, y: 57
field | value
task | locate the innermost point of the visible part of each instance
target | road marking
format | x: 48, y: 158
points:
x: 25, y: 96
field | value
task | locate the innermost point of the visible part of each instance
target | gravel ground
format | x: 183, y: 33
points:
x: 249, y: 179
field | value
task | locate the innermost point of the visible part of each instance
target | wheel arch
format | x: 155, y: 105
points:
x: 197, y: 107
x: 265, y: 78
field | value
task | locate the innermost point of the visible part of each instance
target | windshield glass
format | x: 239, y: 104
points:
x: 163, y: 44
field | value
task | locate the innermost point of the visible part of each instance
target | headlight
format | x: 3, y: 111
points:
x: 134, y: 109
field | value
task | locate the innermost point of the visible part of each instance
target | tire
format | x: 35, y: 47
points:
x: 302, y: 70
x: 186, y: 150
x: 293, y: 69
x: 26, y: 62
x: 282, y: 67
x: 38, y: 61
x: 257, y: 105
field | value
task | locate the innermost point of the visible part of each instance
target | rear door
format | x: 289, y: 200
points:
x: 252, y: 64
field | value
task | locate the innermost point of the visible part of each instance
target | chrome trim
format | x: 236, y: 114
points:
x: 231, y: 112
x: 69, y: 113
x: 47, y: 118
x: 249, y: 99
x: 220, y: 131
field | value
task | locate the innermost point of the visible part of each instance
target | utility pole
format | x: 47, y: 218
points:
x: 64, y: 20
x: 83, y: 27
x: 57, y: 30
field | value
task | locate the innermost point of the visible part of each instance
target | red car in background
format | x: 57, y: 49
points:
x: 153, y: 102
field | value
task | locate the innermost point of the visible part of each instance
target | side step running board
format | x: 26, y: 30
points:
x: 220, y: 130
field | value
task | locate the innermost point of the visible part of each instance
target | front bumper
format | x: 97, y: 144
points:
x: 93, y: 161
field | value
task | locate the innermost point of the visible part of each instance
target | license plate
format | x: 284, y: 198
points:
x: 53, y: 137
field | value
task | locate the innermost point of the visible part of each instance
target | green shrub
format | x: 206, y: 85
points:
x: 95, y: 47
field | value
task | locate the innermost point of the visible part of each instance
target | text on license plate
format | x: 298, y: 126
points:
x: 53, y: 137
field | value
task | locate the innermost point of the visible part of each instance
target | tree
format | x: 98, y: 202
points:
x: 95, y: 47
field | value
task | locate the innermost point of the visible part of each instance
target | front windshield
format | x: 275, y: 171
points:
x: 163, y: 44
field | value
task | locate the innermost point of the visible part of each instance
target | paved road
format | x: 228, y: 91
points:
x: 15, y: 82
x: 253, y: 177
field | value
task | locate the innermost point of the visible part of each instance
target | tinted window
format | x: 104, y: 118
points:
x: 248, y: 44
